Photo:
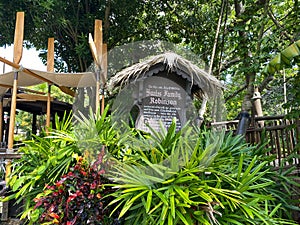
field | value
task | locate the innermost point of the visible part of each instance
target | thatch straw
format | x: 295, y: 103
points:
x: 201, y: 80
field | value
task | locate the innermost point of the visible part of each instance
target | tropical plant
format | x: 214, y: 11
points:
x: 77, y: 198
x: 44, y: 160
x: 187, y: 178
x: 285, y: 60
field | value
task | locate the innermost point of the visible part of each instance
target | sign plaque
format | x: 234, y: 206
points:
x: 160, y: 100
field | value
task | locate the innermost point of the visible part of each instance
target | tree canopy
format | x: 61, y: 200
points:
x: 250, y: 33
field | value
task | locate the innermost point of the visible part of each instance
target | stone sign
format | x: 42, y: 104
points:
x: 159, y: 101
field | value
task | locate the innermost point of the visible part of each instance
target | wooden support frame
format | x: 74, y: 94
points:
x: 1, y: 119
x: 50, y: 68
x: 18, y: 50
x: 99, y: 53
x: 103, y: 75
x: 31, y: 73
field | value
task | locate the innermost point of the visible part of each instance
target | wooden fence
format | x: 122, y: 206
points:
x: 281, y: 134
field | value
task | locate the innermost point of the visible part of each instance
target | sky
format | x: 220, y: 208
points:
x: 29, y: 59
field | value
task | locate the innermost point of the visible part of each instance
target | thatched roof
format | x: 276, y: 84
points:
x: 201, y: 80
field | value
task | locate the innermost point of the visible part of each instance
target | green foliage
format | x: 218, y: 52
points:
x: 44, y: 160
x: 252, y: 32
x: 293, y: 105
x: 47, y: 158
x: 187, y: 178
x: 285, y: 60
x: 167, y: 177
x: 77, y: 198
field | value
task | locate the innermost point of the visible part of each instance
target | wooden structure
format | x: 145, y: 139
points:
x: 281, y: 134
x: 161, y: 88
x: 99, y: 53
x: 15, y: 96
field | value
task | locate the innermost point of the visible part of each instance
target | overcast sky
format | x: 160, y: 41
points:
x: 29, y: 59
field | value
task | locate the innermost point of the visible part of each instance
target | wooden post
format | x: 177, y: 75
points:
x: 98, y: 44
x: 99, y: 52
x: 103, y: 75
x: 18, y: 39
x: 34, y: 121
x: 1, y: 119
x: 18, y: 46
x: 50, y: 55
x: 98, y: 38
x: 11, y: 130
x: 50, y: 68
x: 48, y: 113
x: 257, y: 105
x: 18, y: 50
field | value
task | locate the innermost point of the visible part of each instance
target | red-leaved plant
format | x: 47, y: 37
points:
x: 77, y: 198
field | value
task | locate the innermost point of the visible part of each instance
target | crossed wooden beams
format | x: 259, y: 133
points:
x: 99, y: 53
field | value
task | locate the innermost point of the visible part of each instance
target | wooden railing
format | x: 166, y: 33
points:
x: 281, y: 134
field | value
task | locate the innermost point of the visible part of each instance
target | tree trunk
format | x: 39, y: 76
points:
x: 246, y: 53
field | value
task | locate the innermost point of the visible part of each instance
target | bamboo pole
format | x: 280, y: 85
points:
x: 50, y: 68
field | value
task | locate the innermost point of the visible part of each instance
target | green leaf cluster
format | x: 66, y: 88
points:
x: 44, y: 160
x: 169, y: 177
x: 197, y: 177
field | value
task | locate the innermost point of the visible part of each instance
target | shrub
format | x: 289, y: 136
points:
x: 44, y: 160
x: 77, y: 198
x: 187, y: 178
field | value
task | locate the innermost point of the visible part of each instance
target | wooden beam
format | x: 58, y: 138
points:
x: 18, y: 39
x: 50, y: 68
x: 23, y: 89
x: 29, y: 72
x: 34, y: 97
x: 18, y: 49
x: 31, y: 91
x: 98, y: 38
x: 103, y: 75
x: 1, y: 118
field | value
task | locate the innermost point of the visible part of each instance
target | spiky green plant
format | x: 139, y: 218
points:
x: 44, y: 159
x: 195, y: 178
